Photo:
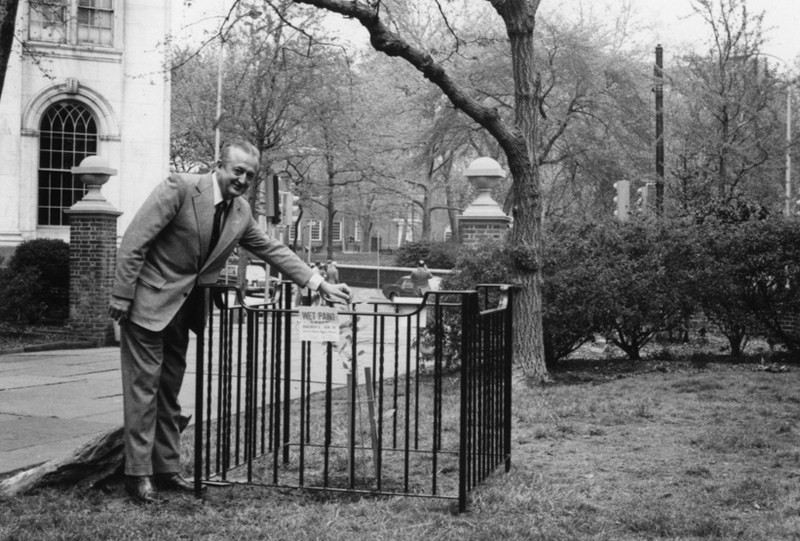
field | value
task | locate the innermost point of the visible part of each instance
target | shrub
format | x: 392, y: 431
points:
x: 643, y: 270
x: 22, y: 296
x: 37, y: 275
x: 632, y: 281
x: 485, y: 264
x: 572, y: 309
x: 437, y: 255
x: 765, y: 275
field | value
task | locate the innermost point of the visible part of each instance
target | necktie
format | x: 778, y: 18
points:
x: 219, y: 219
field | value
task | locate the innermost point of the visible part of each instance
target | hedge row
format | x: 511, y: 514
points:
x: 630, y: 281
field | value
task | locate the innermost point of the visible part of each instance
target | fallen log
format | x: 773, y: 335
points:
x: 93, y: 462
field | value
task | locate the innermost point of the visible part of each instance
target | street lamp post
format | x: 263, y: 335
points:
x: 788, y: 198
x: 218, y: 117
x: 253, y: 13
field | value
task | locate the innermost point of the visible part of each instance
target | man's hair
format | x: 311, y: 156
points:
x: 247, y: 146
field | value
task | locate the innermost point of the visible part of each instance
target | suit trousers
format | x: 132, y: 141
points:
x: 153, y: 365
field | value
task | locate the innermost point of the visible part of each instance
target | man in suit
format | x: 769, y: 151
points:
x: 181, y: 237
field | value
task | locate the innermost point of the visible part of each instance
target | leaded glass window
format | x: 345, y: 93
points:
x: 68, y: 133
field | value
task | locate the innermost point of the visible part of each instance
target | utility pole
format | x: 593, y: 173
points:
x: 659, y: 90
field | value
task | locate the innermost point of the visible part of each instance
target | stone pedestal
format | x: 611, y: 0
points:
x: 483, y: 220
x: 92, y: 255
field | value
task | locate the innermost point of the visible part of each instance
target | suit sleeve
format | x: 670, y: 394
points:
x: 277, y: 254
x: 155, y: 214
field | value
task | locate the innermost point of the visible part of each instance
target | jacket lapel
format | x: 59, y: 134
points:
x: 233, y: 223
x: 203, y: 201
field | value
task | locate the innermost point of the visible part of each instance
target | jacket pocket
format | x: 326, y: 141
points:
x: 151, y: 277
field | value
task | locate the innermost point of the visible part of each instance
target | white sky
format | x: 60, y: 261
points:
x: 668, y: 22
x: 674, y: 25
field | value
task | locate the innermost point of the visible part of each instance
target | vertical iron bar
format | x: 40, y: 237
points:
x: 287, y: 403
x: 407, y: 417
x: 221, y: 394
x: 269, y: 317
x: 209, y: 386
x: 508, y: 357
x: 198, y: 414
x: 305, y: 370
x: 328, y: 414
x: 276, y: 406
x: 381, y: 382
x: 237, y: 322
x: 467, y: 328
x: 249, y: 383
x: 351, y: 445
x: 436, y: 441
x: 396, y: 375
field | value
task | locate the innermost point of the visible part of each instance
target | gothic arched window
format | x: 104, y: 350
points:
x: 68, y: 133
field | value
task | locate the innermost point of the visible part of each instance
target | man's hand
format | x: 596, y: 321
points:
x: 118, y: 308
x: 335, y: 293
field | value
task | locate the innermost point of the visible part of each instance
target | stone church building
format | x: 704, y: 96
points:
x: 85, y: 77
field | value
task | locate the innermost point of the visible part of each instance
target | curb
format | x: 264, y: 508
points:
x: 50, y: 346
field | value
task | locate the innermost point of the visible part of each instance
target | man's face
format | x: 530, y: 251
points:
x: 235, y: 172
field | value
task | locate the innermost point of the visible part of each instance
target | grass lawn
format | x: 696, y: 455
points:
x: 660, y: 449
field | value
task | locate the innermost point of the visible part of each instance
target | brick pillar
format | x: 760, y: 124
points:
x: 483, y: 220
x: 92, y: 255
x: 92, y: 259
x: 474, y: 231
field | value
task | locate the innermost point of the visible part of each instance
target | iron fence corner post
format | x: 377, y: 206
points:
x: 469, y: 307
x: 508, y: 362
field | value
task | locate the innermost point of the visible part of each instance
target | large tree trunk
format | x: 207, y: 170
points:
x: 8, y: 16
x: 519, y: 17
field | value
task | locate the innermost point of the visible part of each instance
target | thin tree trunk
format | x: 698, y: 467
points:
x: 8, y: 16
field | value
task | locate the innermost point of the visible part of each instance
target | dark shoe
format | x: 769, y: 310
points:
x: 141, y: 489
x: 174, y: 481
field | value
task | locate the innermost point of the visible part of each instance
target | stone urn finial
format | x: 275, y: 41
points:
x: 93, y: 172
x: 484, y: 174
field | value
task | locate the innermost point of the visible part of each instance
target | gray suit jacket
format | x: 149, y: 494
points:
x: 164, y: 251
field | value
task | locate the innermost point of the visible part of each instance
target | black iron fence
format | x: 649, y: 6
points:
x: 413, y: 399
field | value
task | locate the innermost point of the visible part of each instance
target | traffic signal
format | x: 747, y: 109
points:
x: 272, y: 200
x: 647, y: 199
x: 289, y: 211
x: 622, y: 200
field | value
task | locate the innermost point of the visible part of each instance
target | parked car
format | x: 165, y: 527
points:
x: 401, y: 288
x: 255, y: 279
x: 404, y: 288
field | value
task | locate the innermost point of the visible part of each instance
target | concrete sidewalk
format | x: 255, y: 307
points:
x: 51, y: 402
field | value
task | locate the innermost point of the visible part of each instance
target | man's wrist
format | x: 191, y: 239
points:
x: 314, y: 282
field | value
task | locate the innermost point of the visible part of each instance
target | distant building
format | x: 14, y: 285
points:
x: 85, y: 77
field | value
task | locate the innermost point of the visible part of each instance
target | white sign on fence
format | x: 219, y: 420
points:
x: 319, y: 324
